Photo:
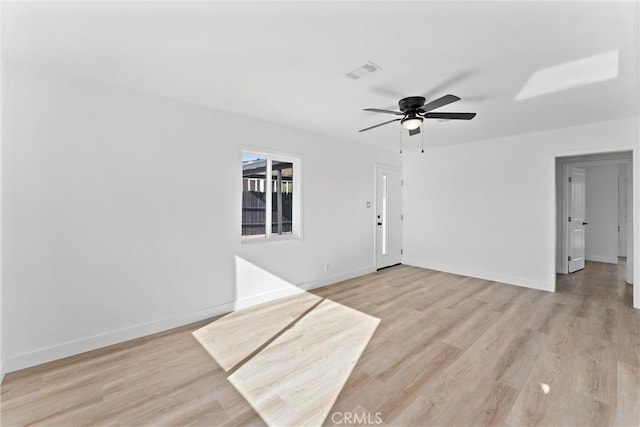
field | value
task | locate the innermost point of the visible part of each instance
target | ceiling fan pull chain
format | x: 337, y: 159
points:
x: 422, y: 134
x: 400, y: 139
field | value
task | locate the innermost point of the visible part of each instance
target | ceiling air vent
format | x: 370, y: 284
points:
x: 363, y: 70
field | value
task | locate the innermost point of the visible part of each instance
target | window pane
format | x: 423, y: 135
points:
x: 254, y: 212
x: 282, y: 197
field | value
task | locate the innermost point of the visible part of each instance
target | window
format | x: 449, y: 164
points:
x: 270, y: 196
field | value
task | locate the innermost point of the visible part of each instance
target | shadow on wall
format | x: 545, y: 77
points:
x: 289, y: 358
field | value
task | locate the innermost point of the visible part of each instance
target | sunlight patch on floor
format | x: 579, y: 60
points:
x: 298, y: 377
x: 233, y: 337
x: 290, y: 358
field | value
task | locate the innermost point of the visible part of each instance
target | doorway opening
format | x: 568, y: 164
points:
x: 594, y: 212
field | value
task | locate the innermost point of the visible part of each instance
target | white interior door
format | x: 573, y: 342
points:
x: 622, y: 216
x: 576, y: 219
x: 388, y: 217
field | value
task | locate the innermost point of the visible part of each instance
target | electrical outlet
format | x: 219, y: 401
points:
x: 326, y: 266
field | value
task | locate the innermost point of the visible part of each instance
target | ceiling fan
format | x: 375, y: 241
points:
x: 413, y: 110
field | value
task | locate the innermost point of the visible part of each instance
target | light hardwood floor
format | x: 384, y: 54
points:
x: 443, y: 350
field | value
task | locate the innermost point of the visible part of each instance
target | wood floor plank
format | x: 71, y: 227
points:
x: 487, y: 405
x: 545, y: 396
x: 628, y: 395
x: 473, y: 327
x: 584, y: 411
x: 593, y: 377
x: 628, y: 344
x: 513, y: 366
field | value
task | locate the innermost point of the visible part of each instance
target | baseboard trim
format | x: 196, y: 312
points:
x: 485, y: 275
x: 82, y: 345
x: 71, y: 348
x: 333, y: 280
x: 302, y: 287
x: 602, y: 258
x: 266, y: 297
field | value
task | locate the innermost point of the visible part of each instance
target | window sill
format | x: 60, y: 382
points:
x: 272, y: 239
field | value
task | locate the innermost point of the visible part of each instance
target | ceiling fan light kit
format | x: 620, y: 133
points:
x: 411, y: 122
x: 414, y: 110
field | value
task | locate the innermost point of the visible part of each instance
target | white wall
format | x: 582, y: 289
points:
x: 122, y: 214
x: 487, y: 209
x: 601, y: 210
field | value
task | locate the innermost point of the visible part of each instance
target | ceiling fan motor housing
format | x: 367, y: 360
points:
x: 411, y: 103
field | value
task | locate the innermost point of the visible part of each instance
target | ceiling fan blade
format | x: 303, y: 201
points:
x: 379, y: 110
x: 379, y: 124
x: 450, y: 116
x: 414, y: 131
x: 440, y: 102
x: 447, y: 83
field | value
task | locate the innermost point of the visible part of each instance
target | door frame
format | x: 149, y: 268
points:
x: 633, y: 211
x: 375, y: 209
x: 565, y: 207
x: 623, y: 207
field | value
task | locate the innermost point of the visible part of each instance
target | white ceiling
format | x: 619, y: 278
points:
x: 286, y: 62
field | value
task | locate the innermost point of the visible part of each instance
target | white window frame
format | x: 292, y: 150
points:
x: 296, y: 226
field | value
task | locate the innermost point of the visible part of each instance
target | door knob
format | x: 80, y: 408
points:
x: 585, y: 223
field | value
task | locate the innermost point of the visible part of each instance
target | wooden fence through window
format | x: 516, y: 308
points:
x: 254, y: 213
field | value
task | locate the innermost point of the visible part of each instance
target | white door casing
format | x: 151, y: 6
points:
x: 388, y: 216
x: 622, y: 216
x: 576, y: 220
